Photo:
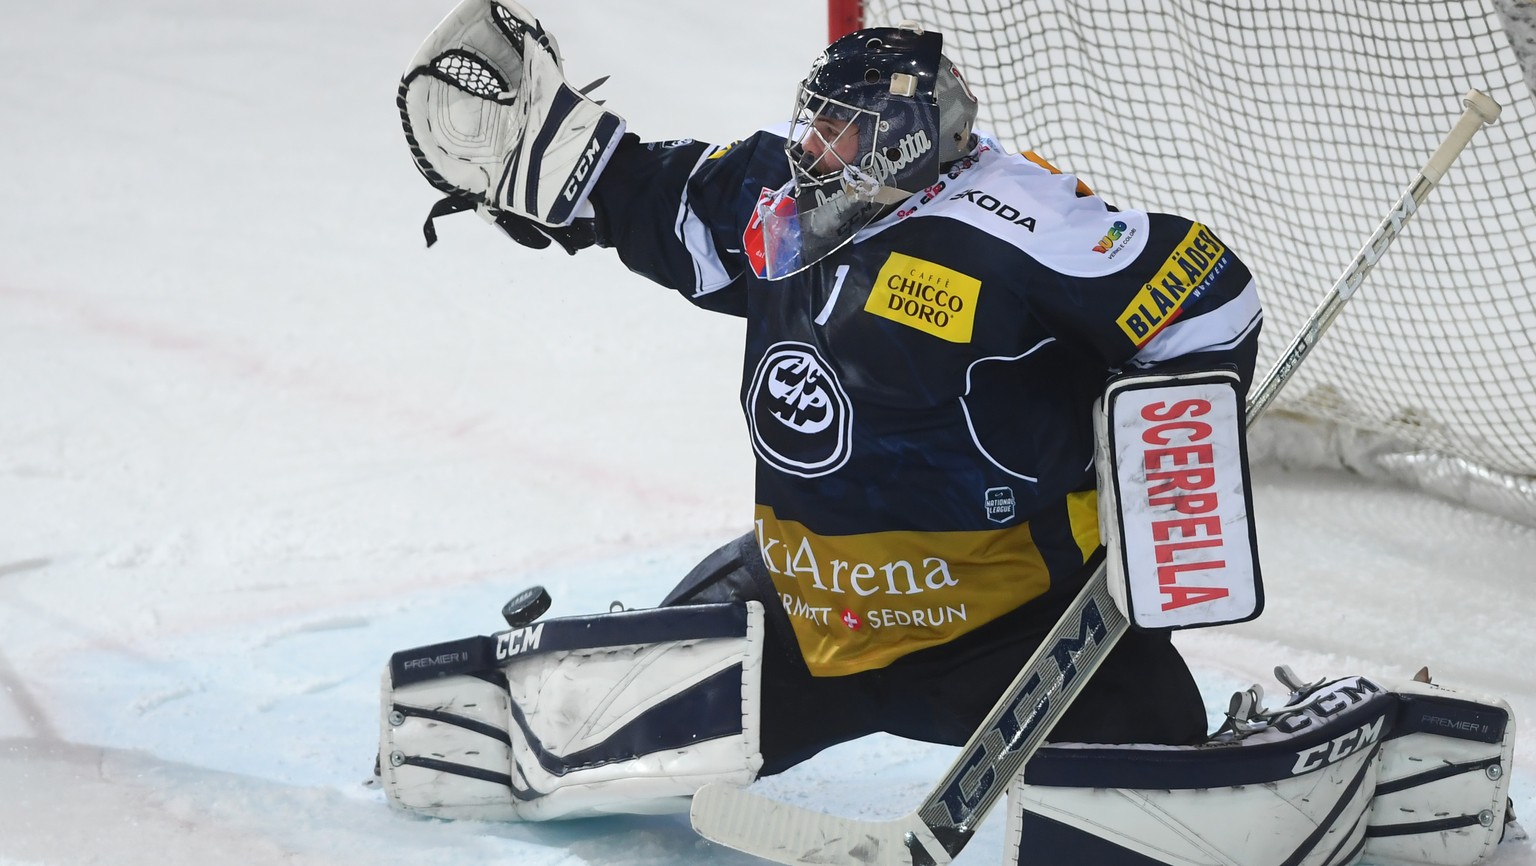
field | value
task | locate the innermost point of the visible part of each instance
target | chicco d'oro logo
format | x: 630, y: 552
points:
x: 800, y: 417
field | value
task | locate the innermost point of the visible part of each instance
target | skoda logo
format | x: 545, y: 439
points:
x: 801, y: 420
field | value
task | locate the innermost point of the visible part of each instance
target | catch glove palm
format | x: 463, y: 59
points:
x: 493, y: 123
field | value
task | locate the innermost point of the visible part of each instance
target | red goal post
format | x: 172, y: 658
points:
x: 843, y: 17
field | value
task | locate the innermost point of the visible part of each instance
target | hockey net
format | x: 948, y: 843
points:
x: 1292, y: 130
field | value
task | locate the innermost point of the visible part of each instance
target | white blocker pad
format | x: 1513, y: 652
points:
x: 1294, y: 790
x: 1443, y: 788
x: 572, y: 717
x: 1175, y: 500
x: 489, y: 115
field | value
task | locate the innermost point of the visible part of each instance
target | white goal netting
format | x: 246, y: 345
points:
x: 1292, y: 129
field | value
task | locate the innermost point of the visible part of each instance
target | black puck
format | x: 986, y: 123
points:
x: 526, y: 606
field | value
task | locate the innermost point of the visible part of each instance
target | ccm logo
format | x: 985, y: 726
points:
x: 1020, y: 720
x: 1338, y: 748
x: 511, y: 643
x: 583, y: 166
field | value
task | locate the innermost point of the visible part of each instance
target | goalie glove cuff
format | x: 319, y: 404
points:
x: 579, y: 235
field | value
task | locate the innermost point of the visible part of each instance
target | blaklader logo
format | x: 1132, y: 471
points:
x: 1189, y: 270
x: 929, y: 297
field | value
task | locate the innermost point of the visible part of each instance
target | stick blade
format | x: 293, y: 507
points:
x: 788, y: 834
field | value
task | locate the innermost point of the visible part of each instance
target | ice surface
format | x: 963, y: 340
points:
x: 254, y: 438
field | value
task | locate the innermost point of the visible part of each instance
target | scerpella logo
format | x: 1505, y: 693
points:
x: 1107, y: 242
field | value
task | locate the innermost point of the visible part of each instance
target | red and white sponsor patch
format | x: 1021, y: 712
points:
x: 1186, y: 541
x: 752, y: 241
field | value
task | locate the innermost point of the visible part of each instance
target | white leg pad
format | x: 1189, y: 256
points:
x: 1350, y: 771
x: 1294, y: 793
x: 1444, y: 780
x: 623, y: 713
x: 444, y: 749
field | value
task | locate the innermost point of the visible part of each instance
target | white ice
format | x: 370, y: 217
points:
x: 254, y: 438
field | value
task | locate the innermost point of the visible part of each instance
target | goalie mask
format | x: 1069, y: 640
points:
x: 881, y: 110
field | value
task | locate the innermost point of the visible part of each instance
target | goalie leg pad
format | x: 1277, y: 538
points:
x: 491, y: 120
x: 444, y: 747
x: 1444, y: 783
x: 1297, y: 792
x: 620, y: 713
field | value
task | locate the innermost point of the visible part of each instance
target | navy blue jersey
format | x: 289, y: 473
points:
x: 920, y: 401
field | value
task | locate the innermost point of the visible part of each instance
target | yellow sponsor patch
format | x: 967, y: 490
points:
x: 859, y: 602
x: 925, y: 296
x: 1196, y: 260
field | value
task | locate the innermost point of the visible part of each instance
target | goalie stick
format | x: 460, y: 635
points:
x: 940, y: 827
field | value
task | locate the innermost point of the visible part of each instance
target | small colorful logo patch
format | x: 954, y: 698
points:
x: 1107, y: 242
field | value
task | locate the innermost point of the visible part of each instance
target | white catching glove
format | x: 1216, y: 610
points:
x: 492, y: 122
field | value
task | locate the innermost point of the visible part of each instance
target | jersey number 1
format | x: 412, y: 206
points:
x: 837, y: 286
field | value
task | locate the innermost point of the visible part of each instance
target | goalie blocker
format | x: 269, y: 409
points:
x: 1175, y: 500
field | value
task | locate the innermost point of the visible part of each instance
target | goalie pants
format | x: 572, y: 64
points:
x: 1143, y: 693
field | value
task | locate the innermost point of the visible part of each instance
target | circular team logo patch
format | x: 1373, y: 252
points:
x: 800, y: 417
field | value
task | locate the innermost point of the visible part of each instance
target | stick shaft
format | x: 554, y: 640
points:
x: 1480, y: 110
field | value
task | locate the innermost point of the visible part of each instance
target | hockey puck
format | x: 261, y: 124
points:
x: 526, y: 606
